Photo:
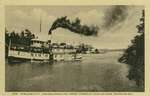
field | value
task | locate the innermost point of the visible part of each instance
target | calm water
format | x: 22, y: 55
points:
x: 99, y: 72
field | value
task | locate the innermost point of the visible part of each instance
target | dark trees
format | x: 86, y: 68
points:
x: 134, y: 56
x: 23, y: 38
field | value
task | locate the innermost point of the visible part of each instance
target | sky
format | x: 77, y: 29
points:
x: 117, y: 24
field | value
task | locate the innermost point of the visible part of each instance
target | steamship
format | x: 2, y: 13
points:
x: 42, y: 51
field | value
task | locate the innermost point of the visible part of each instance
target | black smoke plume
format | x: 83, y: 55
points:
x: 74, y: 26
x: 115, y: 15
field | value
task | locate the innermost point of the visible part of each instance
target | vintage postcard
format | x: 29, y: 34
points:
x: 74, y: 48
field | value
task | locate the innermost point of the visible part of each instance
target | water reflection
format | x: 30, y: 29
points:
x: 99, y: 72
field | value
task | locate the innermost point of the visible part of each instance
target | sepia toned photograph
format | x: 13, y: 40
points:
x: 74, y: 48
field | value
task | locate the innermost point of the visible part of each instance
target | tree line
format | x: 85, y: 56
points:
x: 134, y: 55
x: 23, y: 38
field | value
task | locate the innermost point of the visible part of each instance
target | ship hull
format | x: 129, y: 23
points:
x: 12, y: 59
x: 21, y: 56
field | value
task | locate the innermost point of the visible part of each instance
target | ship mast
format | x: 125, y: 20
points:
x: 40, y: 24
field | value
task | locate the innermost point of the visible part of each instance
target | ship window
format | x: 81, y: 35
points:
x: 39, y: 55
x: 46, y: 55
x: 18, y: 53
x: 32, y: 54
